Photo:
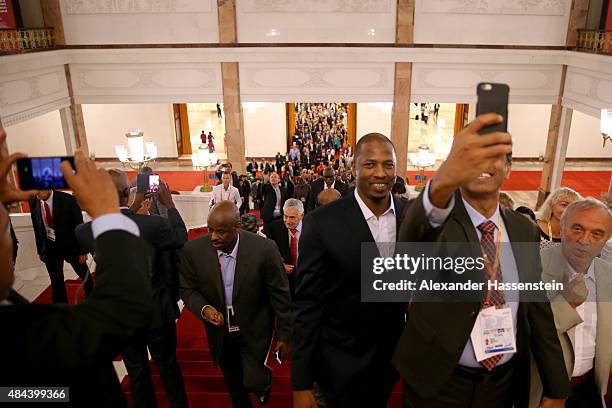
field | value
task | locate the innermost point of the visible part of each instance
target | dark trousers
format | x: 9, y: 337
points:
x: 244, y: 207
x: 243, y: 372
x: 162, y: 345
x: 374, y: 394
x: 54, y: 261
x: 266, y: 225
x: 468, y: 388
x: 585, y: 395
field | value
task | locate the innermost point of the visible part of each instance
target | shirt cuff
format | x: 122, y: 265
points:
x: 436, y: 215
x: 114, y: 221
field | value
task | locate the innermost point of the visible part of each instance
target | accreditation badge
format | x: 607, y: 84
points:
x: 493, y: 333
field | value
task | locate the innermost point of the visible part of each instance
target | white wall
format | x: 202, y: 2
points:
x: 265, y: 128
x: 40, y: 136
x: 374, y: 117
x: 585, y: 138
x: 513, y: 22
x: 371, y: 21
x: 140, y: 22
x: 528, y: 125
x: 106, y: 126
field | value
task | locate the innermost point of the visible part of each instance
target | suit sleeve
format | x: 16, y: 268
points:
x: 416, y: 225
x: 77, y: 219
x: 84, y: 237
x: 308, y: 306
x: 36, y: 224
x: 277, y: 286
x: 312, y: 200
x: 173, y: 233
x: 545, y: 345
x: 98, y: 329
x: 188, y: 285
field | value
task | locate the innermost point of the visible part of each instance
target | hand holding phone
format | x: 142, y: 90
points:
x: 8, y: 193
x: 42, y: 173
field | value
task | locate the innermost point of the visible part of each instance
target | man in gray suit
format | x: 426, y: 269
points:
x: 583, y: 310
x: 236, y: 283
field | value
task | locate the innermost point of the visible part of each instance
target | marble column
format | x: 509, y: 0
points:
x: 556, y: 150
x: 556, y: 144
x: 400, y: 115
x: 404, y: 33
x: 577, y: 21
x: 234, y: 119
x: 76, y: 117
x: 226, y: 12
x: 52, y: 17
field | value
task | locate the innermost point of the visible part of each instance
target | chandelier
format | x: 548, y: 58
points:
x: 137, y: 153
x: 422, y: 160
x: 203, y: 159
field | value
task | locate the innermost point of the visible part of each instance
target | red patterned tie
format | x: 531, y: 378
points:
x: 48, y: 215
x: 487, y: 243
x: 293, y: 246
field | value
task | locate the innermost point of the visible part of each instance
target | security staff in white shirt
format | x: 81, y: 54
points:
x: 583, y: 310
x: 225, y: 192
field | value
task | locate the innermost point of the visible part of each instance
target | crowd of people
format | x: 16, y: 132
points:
x: 297, y: 282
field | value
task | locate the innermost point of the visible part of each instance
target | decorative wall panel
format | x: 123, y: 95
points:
x: 32, y: 93
x: 146, y: 83
x: 521, y: 7
x: 135, y: 6
x: 588, y: 91
x: 292, y: 82
x: 316, y: 6
x: 457, y: 82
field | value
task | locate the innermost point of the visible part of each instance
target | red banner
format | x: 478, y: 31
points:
x: 7, y: 16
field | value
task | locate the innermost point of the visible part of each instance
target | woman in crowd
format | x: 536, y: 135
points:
x: 549, y: 216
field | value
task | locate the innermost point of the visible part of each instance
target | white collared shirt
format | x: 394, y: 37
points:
x: 50, y: 231
x: 383, y: 228
x: 221, y: 194
x: 330, y: 187
x: 586, y: 332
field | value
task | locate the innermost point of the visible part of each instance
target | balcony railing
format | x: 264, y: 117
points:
x: 597, y: 41
x: 26, y: 39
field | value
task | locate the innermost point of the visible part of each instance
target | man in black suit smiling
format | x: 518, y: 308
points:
x: 340, y: 343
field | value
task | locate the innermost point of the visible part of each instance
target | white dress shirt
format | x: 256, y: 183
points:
x: 383, y: 228
x: 586, y: 332
x: 232, y: 194
x: 330, y: 187
x: 509, y: 270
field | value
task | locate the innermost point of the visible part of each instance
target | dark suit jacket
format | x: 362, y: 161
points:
x: 53, y: 345
x: 260, y: 296
x: 280, y: 235
x: 14, y: 240
x: 269, y: 201
x: 337, y: 340
x: 436, y: 333
x: 66, y: 217
x: 317, y: 186
x: 166, y: 236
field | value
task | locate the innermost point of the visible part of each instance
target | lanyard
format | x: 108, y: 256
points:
x: 495, y: 265
x: 550, y: 236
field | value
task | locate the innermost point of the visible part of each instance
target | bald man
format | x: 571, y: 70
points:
x: 166, y: 236
x: 327, y: 196
x: 236, y: 283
